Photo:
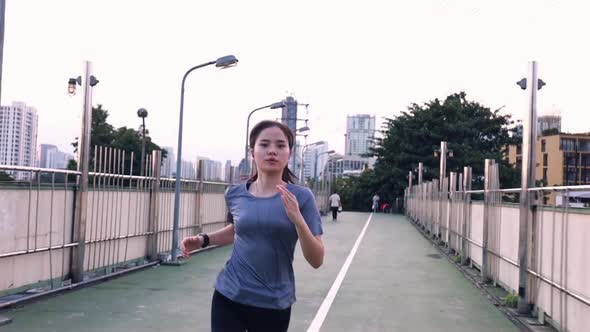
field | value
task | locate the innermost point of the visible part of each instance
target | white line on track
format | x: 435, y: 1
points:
x: 320, y: 316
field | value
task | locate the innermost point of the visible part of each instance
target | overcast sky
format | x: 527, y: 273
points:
x: 341, y: 57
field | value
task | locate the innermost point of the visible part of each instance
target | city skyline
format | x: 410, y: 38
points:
x: 379, y: 59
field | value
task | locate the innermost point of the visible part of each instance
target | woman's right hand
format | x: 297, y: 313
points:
x: 190, y: 244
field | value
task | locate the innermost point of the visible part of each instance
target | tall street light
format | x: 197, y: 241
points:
x: 315, y: 166
x: 528, y: 169
x: 419, y: 170
x: 142, y: 113
x: 77, y: 261
x: 298, y: 132
x: 272, y: 107
x: 443, y: 152
x: 302, y: 159
x: 223, y: 62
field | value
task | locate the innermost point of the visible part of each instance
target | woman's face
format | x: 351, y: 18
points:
x: 271, y: 150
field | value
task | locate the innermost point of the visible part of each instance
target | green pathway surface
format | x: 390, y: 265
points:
x: 394, y: 285
x: 391, y: 285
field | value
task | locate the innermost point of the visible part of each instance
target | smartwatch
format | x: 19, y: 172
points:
x: 205, y: 240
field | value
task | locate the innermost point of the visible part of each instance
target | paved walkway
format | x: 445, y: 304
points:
x: 392, y: 284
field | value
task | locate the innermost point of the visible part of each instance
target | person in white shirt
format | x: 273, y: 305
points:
x: 375, y: 206
x: 335, y: 205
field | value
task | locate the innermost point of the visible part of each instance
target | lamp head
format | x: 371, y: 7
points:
x: 226, y: 61
x: 142, y: 113
x: 303, y: 129
x: 280, y: 104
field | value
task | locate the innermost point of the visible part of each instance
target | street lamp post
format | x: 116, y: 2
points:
x: 315, y: 165
x: 77, y: 261
x: 420, y: 170
x: 443, y: 152
x: 303, y: 129
x: 527, y: 208
x: 272, y: 107
x: 303, y: 150
x: 142, y: 113
x: 301, y: 164
x: 223, y: 62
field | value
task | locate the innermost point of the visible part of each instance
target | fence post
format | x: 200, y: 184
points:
x: 486, y: 218
x: 466, y: 214
x: 79, y: 231
x: 452, y: 188
x: 436, y: 213
x: 200, y: 186
x: 529, y: 139
x: 154, y: 211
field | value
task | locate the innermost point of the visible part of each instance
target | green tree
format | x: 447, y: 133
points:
x: 356, y: 192
x: 129, y: 140
x: 472, y: 131
x: 103, y: 134
x: 101, y: 130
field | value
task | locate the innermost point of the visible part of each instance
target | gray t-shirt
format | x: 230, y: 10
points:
x: 260, y: 270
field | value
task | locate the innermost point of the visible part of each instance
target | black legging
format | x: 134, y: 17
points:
x: 230, y: 316
x: 334, y: 212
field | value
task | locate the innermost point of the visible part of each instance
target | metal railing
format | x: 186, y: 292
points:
x: 322, y: 190
x: 486, y: 234
x: 128, y: 220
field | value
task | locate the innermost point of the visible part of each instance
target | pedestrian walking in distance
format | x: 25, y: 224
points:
x: 335, y: 205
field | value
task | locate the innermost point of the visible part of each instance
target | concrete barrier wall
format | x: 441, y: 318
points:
x: 32, y: 221
x: 117, y: 223
x: 562, y: 254
x: 476, y: 233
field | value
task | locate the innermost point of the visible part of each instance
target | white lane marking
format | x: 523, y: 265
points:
x: 320, y: 316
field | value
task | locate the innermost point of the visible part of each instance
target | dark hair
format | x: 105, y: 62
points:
x: 287, y: 176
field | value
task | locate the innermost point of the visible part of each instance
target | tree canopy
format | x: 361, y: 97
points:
x: 472, y: 131
x: 123, y: 138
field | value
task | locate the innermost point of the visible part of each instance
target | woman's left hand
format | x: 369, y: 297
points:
x: 291, y: 205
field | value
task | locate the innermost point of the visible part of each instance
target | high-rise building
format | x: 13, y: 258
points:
x: 18, y: 136
x: 43, y: 152
x: 188, y: 170
x: 289, y: 118
x: 51, y: 157
x: 227, y: 171
x: 289, y: 113
x: 360, y: 132
x: 231, y: 173
x: 211, y: 169
x: 169, y: 164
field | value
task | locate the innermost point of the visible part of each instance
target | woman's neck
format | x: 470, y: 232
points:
x: 267, y: 183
